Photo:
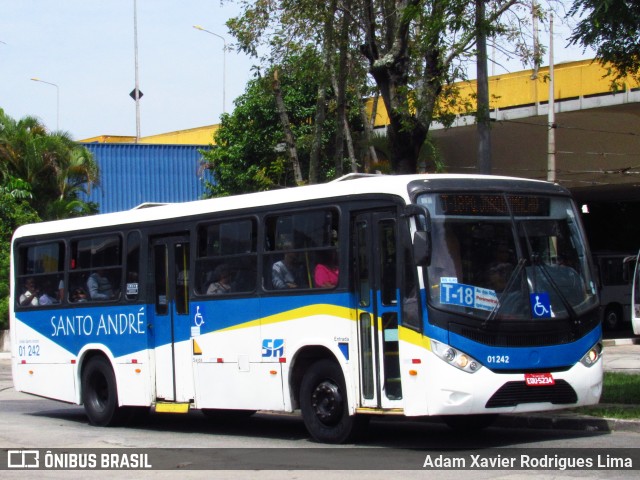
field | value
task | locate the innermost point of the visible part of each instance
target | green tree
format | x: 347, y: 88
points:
x: 56, y: 168
x: 412, y: 49
x: 612, y: 29
x: 291, y: 26
x: 250, y: 152
x: 14, y: 211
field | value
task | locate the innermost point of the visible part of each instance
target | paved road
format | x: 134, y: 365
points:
x: 33, y: 422
x: 622, y: 356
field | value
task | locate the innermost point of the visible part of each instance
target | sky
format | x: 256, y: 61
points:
x: 86, y: 48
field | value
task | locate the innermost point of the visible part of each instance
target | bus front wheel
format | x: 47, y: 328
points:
x: 324, y: 406
x: 100, y: 393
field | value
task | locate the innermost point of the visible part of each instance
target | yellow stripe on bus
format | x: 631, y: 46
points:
x: 296, y: 314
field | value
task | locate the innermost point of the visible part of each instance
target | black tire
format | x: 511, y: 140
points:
x: 612, y: 319
x: 324, y: 406
x: 100, y: 394
x: 470, y: 423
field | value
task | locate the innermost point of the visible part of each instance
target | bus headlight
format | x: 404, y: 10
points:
x: 592, y: 356
x: 455, y: 357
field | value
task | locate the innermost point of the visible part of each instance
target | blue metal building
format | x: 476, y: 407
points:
x: 132, y: 174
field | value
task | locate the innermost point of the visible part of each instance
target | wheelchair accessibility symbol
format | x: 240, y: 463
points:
x: 540, y: 305
x: 198, y: 320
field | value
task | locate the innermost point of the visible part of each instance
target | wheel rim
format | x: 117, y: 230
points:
x: 327, y: 402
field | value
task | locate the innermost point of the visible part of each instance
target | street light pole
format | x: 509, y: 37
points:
x: 136, y: 90
x: 57, y: 100
x: 224, y: 64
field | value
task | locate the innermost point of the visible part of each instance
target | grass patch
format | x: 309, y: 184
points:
x: 620, y: 397
x: 621, y: 388
x: 620, y: 412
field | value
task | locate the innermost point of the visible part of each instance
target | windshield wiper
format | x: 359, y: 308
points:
x: 512, y: 279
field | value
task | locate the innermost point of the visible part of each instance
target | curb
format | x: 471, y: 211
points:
x: 615, y: 342
x: 567, y: 421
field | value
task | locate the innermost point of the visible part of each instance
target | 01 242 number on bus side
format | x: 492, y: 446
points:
x: 29, y: 350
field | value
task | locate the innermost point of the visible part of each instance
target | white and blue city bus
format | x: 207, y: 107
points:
x: 449, y: 295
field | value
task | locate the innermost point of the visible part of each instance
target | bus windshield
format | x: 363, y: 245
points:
x: 506, y: 256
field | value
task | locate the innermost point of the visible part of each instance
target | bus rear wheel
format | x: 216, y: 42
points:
x: 612, y: 318
x: 100, y: 393
x: 324, y: 406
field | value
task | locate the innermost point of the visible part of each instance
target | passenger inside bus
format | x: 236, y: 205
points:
x: 284, y: 273
x: 222, y: 277
x: 30, y: 295
x: 47, y: 297
x: 78, y: 295
x: 500, y: 269
x: 326, y: 273
x: 99, y: 286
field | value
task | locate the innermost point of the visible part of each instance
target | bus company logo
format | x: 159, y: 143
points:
x: 272, y: 348
x: 23, y: 459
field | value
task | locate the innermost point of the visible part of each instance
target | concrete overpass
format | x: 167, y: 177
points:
x: 597, y: 142
x: 597, y: 130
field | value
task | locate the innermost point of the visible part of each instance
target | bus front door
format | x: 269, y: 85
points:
x: 172, y: 325
x: 376, y: 283
x: 635, y: 298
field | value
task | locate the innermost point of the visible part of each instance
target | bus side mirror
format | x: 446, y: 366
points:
x: 422, y: 248
x: 422, y: 236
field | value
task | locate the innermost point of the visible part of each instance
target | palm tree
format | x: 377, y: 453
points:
x: 57, y: 168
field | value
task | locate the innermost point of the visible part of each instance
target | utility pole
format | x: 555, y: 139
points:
x: 483, y: 125
x: 551, y: 146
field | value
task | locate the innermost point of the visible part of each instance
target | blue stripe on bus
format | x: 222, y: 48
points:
x: 125, y: 329
x: 518, y: 358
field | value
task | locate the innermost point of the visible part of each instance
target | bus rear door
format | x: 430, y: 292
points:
x: 171, y: 328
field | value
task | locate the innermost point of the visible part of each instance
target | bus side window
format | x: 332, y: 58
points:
x: 301, y: 250
x: 226, y: 257
x: 96, y: 267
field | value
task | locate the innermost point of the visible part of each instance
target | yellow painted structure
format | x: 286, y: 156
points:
x: 191, y: 136
x: 109, y: 139
x: 573, y: 79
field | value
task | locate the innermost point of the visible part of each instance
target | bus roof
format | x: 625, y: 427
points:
x: 349, y: 185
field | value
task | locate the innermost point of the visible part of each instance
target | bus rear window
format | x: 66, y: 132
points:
x: 40, y: 274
